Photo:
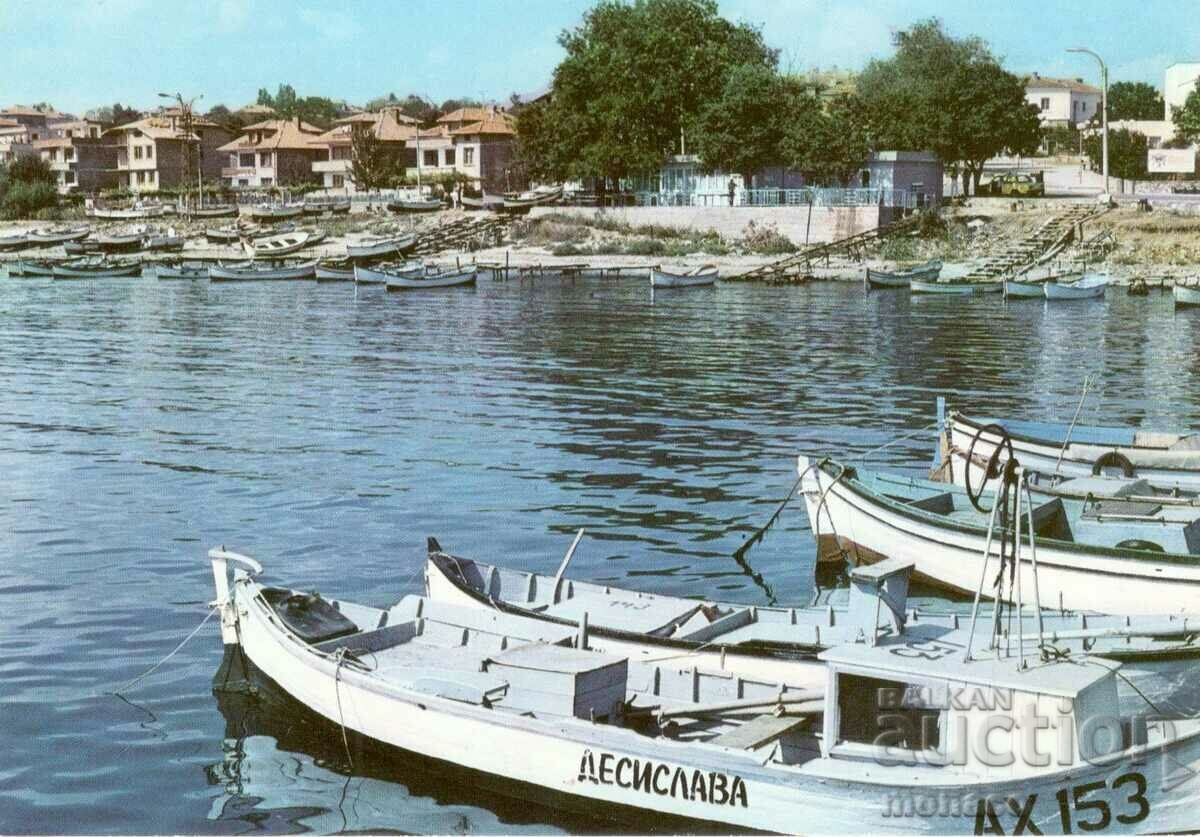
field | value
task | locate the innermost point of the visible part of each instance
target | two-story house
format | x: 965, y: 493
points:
x: 1062, y: 101
x: 79, y: 156
x: 276, y: 152
x: 483, y: 150
x: 391, y: 127
x: 157, y: 153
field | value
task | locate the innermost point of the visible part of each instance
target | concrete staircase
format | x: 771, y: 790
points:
x: 1041, y: 244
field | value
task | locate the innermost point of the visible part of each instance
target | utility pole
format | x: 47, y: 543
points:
x: 186, y: 124
x: 1103, y: 109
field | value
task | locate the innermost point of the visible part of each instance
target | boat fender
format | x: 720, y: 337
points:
x: 1113, y: 458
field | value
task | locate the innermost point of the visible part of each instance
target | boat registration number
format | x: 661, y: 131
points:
x: 1079, y: 809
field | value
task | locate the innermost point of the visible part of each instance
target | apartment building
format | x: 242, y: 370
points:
x: 1062, y: 101
x: 391, y: 127
x: 157, y: 153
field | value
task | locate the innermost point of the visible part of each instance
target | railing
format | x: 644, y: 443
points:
x: 758, y: 197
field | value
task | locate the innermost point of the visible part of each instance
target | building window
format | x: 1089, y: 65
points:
x: 54, y: 155
x: 430, y: 160
x: 68, y: 153
x: 468, y: 156
x: 243, y: 181
x: 69, y: 177
x: 149, y: 151
x: 264, y: 160
x: 449, y: 156
x: 1045, y: 103
x: 339, y: 181
x: 268, y: 181
x: 137, y: 152
x: 247, y: 161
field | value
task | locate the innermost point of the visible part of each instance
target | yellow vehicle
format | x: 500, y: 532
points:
x: 1018, y: 185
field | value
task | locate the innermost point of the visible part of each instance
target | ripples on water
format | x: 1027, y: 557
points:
x: 328, y: 432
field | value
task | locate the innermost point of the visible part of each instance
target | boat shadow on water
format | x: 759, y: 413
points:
x: 285, y: 770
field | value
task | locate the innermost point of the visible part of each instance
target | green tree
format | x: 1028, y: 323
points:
x: 1126, y: 153
x: 949, y: 96
x: 1134, y: 100
x: 122, y: 115
x: 225, y: 117
x: 635, y: 74
x: 371, y: 164
x: 740, y: 131
x: 1187, y: 118
x: 30, y: 168
x: 826, y: 142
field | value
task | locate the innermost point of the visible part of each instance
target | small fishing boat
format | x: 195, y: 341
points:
x: 411, y: 205
x: 48, y: 236
x: 231, y: 234
x: 262, y: 271
x: 381, y: 274
x: 98, y: 268
x: 138, y: 210
x: 927, y: 272
x: 574, y: 726
x: 526, y: 201
x: 375, y: 246
x: 32, y: 267
x: 271, y: 212
x: 341, y: 270
x: 220, y: 210
x: 163, y: 240
x: 1090, y: 556
x: 1029, y: 285
x: 918, y: 286
x: 121, y: 241
x: 13, y: 241
x: 1186, y: 292
x: 1091, y: 286
x: 1163, y: 459
x: 319, y: 206
x: 86, y: 247
x: 682, y: 278
x: 181, y: 270
x: 278, y: 245
x: 449, y: 278
x: 757, y: 639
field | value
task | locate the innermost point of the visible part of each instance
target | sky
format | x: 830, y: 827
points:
x: 80, y: 54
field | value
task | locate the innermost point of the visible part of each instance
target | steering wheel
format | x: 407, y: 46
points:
x: 992, y: 470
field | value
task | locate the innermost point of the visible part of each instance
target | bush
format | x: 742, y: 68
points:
x: 24, y: 200
x: 930, y: 224
x: 767, y: 240
x: 569, y: 249
x: 645, y: 247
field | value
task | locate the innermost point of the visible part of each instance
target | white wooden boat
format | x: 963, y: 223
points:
x: 650, y: 738
x: 1091, y: 286
x: 231, y: 234
x: 1186, y: 293
x: 181, y: 270
x: 13, y: 241
x: 140, y: 210
x: 278, y: 245
x: 927, y: 272
x: 1087, y: 560
x: 122, y: 240
x: 681, y: 278
x: 335, y: 271
x: 31, y: 267
x: 1163, y: 459
x: 98, y: 269
x: 262, y: 271
x: 376, y: 246
x: 381, y: 274
x: 58, y: 235
x: 410, y: 205
x: 85, y: 247
x: 918, y: 286
x: 758, y: 639
x: 449, y: 278
x: 222, y: 210
x: 526, y: 201
x: 319, y: 206
x: 265, y: 212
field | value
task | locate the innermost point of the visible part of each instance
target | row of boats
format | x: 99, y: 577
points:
x: 848, y: 715
x: 1047, y: 283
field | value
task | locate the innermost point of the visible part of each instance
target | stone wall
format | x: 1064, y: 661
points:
x: 828, y: 223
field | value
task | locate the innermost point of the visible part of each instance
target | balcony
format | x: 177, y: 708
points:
x: 238, y: 171
x: 334, y: 166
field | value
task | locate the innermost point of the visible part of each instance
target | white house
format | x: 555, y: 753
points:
x: 1062, y: 101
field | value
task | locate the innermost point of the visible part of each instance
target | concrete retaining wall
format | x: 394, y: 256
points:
x: 828, y: 223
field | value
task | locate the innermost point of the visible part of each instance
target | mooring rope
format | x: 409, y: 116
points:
x: 156, y: 666
x: 758, y: 535
x: 340, y: 656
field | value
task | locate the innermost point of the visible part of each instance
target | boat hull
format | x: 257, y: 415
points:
x: 664, y: 279
x: 274, y: 212
x: 334, y: 274
x: 1186, y: 296
x: 1057, y: 291
x: 403, y: 207
x: 903, y: 278
x: 955, y: 288
x: 42, y: 239
x: 949, y: 554
x: 69, y: 272
x: 379, y: 249
x: 1023, y: 290
x: 219, y: 273
x: 214, y: 212
x: 455, y: 279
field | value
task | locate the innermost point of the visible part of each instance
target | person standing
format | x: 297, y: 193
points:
x: 732, y: 190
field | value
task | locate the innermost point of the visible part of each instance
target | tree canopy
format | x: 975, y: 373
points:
x: 318, y: 110
x: 1126, y: 153
x: 635, y: 76
x: 826, y: 143
x: 740, y: 131
x: 1187, y: 118
x: 947, y: 95
x: 1134, y: 100
x: 371, y: 163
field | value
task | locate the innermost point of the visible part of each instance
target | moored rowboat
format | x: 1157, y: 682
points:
x: 402, y: 206
x: 58, y: 235
x: 370, y: 247
x: 955, y: 287
x: 279, y: 245
x: 450, y: 278
x: 1186, y: 293
x: 266, y: 212
x: 101, y: 269
x: 335, y: 271
x: 261, y: 272
x: 680, y: 278
x: 1091, y: 286
x: 927, y: 272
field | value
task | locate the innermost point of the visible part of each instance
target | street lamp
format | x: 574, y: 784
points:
x: 1103, y: 109
x: 185, y: 111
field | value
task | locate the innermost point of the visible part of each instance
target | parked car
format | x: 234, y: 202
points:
x: 1018, y: 185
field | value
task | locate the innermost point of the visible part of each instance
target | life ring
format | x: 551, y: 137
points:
x: 992, y: 469
x: 1113, y: 457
